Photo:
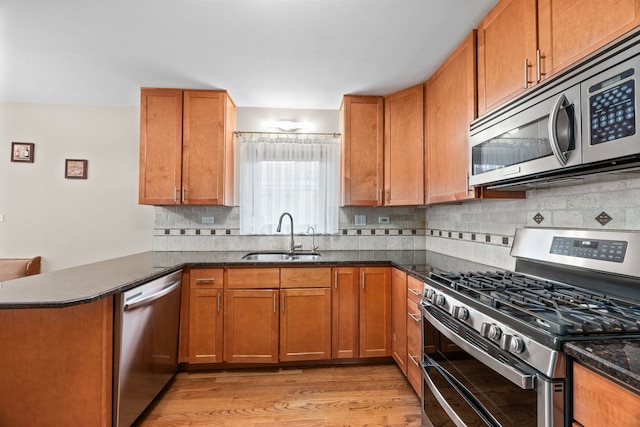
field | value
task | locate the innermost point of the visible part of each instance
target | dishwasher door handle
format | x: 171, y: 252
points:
x: 143, y: 300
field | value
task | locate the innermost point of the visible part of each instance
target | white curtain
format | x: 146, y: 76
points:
x: 295, y: 173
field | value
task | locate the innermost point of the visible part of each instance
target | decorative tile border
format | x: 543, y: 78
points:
x: 484, y: 238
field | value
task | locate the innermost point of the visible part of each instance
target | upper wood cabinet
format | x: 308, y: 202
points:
x: 521, y: 42
x: 404, y: 147
x: 450, y: 108
x: 186, y: 147
x: 361, y: 121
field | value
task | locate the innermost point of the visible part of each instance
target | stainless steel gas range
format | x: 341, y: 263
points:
x: 511, y: 326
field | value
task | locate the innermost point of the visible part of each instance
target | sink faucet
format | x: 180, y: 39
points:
x: 293, y: 245
x: 313, y: 238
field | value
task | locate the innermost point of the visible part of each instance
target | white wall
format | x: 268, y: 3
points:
x: 70, y: 221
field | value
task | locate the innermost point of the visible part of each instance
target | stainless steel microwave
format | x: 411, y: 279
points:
x: 583, y: 121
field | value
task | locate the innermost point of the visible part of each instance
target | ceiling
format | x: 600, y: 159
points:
x: 266, y: 53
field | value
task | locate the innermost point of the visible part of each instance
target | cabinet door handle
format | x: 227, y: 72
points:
x: 206, y: 280
x: 175, y: 195
x: 283, y: 302
x: 184, y: 191
x: 388, y: 195
x: 416, y: 317
x: 413, y: 291
x: 219, y: 305
x: 275, y: 301
x: 414, y: 359
x: 526, y: 73
x: 362, y: 279
x: 539, y: 72
x: 335, y: 279
x: 380, y: 197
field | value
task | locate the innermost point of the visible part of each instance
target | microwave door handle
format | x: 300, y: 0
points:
x: 553, y: 131
x: 477, y: 407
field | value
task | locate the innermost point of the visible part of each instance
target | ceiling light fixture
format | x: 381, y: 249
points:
x: 288, y: 125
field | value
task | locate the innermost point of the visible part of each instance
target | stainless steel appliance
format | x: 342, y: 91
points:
x: 510, y: 326
x: 581, y: 121
x: 146, y: 330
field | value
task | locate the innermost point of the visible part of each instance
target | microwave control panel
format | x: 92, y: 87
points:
x: 612, y: 108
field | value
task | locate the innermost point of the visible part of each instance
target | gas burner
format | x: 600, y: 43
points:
x: 558, y: 308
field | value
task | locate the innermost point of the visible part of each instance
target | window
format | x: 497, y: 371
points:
x: 293, y: 173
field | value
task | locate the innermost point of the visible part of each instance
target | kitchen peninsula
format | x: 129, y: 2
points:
x: 59, y: 327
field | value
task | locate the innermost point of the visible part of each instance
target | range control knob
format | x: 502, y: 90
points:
x: 429, y: 293
x: 491, y: 331
x: 512, y: 343
x: 460, y: 313
x: 438, y: 300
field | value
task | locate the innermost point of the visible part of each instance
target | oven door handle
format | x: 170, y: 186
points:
x: 519, y: 378
x: 553, y: 130
x: 473, y: 402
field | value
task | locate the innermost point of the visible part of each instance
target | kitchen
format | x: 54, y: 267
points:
x: 481, y: 231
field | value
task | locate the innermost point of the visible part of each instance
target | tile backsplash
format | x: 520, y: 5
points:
x: 481, y: 231
x: 181, y: 228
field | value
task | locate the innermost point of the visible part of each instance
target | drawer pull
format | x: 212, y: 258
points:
x: 414, y: 359
x: 416, y: 317
x: 413, y: 291
x: 206, y: 280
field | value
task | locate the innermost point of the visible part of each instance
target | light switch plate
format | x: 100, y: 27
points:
x: 208, y: 219
x: 360, y: 220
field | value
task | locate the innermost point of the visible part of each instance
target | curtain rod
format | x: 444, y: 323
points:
x: 286, y: 134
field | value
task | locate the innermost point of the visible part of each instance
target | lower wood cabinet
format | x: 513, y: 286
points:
x: 205, y: 315
x: 375, y: 311
x: 305, y: 324
x: 345, y: 304
x: 598, y: 401
x: 264, y: 315
x: 251, y: 326
x: 399, y: 318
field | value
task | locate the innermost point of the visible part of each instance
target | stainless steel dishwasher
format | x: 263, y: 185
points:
x: 145, y: 347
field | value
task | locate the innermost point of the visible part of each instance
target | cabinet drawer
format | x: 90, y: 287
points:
x: 414, y: 289
x: 201, y: 278
x: 414, y: 323
x: 305, y: 277
x: 253, y: 278
x: 414, y: 373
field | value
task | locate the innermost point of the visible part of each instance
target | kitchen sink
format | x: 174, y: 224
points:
x: 281, y: 256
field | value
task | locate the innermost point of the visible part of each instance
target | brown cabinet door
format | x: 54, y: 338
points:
x: 204, y: 310
x: 203, y: 145
x: 404, y: 147
x: 362, y: 150
x: 414, y: 370
x: 507, y: 37
x: 570, y: 30
x: 450, y: 108
x: 251, y: 326
x: 160, y: 146
x: 375, y: 311
x: 205, y: 326
x: 345, y: 313
x: 399, y: 318
x: 305, y: 324
x: 598, y: 401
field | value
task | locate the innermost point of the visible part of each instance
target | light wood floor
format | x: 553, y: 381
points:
x: 328, y: 396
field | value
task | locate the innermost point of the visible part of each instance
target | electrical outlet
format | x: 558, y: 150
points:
x: 208, y: 220
x: 383, y: 220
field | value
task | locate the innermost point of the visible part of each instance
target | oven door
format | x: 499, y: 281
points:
x: 539, y: 138
x: 484, y: 385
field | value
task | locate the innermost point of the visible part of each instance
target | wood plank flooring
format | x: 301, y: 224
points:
x: 372, y: 395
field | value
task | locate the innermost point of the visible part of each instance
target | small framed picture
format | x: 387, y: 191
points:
x: 75, y: 169
x: 22, y: 152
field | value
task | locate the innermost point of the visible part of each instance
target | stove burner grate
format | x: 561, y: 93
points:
x: 558, y: 308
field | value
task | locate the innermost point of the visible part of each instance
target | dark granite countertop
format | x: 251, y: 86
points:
x: 91, y: 282
x: 618, y: 358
